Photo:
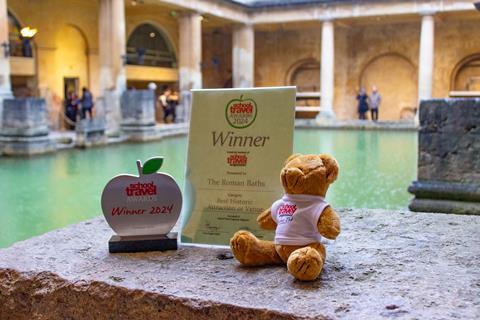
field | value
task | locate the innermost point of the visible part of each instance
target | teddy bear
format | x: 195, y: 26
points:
x: 299, y: 219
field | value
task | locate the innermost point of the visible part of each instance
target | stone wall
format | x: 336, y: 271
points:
x: 381, y: 51
x: 78, y: 19
x: 449, y: 157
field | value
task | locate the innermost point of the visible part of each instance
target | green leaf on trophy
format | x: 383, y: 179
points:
x: 152, y: 165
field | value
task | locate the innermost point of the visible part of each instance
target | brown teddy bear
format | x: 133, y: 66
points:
x: 299, y: 219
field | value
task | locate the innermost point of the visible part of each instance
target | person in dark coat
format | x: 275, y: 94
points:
x: 87, y: 103
x: 362, y: 98
x: 71, y: 108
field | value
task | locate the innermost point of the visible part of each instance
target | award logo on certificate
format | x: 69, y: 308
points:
x: 238, y: 141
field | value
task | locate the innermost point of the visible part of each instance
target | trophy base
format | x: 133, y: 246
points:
x: 128, y: 244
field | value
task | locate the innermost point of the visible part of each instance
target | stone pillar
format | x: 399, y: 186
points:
x: 138, y: 114
x: 90, y: 132
x: 112, y: 51
x: 327, y: 71
x: 5, y: 88
x: 25, y: 127
x: 425, y: 65
x: 243, y: 56
x: 190, y: 59
x: 448, y: 178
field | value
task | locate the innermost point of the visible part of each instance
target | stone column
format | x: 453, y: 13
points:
x: 425, y: 64
x: 243, y: 56
x: 112, y: 50
x: 5, y: 87
x: 327, y: 71
x: 190, y: 59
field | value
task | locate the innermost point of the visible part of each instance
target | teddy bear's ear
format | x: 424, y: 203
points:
x: 293, y: 156
x: 331, y: 165
x: 293, y: 180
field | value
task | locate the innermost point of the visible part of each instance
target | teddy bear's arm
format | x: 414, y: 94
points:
x: 265, y: 220
x: 329, y: 223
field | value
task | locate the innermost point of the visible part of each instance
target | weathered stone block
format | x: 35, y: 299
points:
x: 25, y: 117
x: 449, y: 157
x: 398, y: 265
x: 24, y: 129
x: 138, y: 115
x: 26, y: 146
x: 138, y: 108
x: 90, y: 132
x: 108, y: 107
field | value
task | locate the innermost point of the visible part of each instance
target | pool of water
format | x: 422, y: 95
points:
x: 47, y: 192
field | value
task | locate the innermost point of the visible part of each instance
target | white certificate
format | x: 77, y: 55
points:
x: 238, y: 142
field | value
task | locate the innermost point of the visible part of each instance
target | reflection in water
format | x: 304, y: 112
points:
x: 376, y: 167
x: 51, y: 191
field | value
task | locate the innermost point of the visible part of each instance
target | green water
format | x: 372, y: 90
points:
x: 48, y: 192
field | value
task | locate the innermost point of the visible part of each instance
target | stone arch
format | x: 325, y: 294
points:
x: 71, y: 58
x: 466, y: 74
x: 149, y: 44
x: 305, y: 74
x: 396, y: 79
x: 22, y: 85
x: 15, y: 39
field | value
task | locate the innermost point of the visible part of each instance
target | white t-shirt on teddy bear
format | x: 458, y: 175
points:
x: 297, y: 216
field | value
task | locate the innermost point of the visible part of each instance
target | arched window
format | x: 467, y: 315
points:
x: 148, y: 46
x: 466, y: 76
x: 14, y: 35
x: 306, y: 76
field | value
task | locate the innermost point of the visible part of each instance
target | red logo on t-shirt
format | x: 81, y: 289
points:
x: 287, y: 209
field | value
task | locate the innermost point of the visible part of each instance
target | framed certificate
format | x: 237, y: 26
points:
x: 238, y: 141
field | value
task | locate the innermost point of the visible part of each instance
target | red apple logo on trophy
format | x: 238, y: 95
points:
x: 142, y: 208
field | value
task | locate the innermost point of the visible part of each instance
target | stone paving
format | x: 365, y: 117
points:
x: 385, y: 264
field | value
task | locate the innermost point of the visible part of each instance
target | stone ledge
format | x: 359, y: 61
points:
x: 356, y: 125
x: 384, y: 265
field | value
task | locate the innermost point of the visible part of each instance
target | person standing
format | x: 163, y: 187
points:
x: 362, y: 98
x: 163, y: 99
x: 375, y: 100
x: 71, y: 108
x: 87, y: 103
x: 172, y: 103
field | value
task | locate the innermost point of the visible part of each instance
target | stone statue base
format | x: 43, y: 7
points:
x: 26, y: 146
x: 90, y: 133
x: 139, y: 132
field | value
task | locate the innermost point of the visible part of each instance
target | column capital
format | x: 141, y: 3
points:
x: 188, y: 13
x: 243, y: 25
x: 427, y: 13
x: 327, y: 19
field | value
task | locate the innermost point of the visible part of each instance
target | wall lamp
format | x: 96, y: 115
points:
x: 28, y: 33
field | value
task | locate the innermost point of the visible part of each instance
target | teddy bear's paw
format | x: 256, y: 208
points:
x: 305, y: 264
x: 240, y: 244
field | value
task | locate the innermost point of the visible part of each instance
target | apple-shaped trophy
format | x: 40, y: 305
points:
x: 143, y: 209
